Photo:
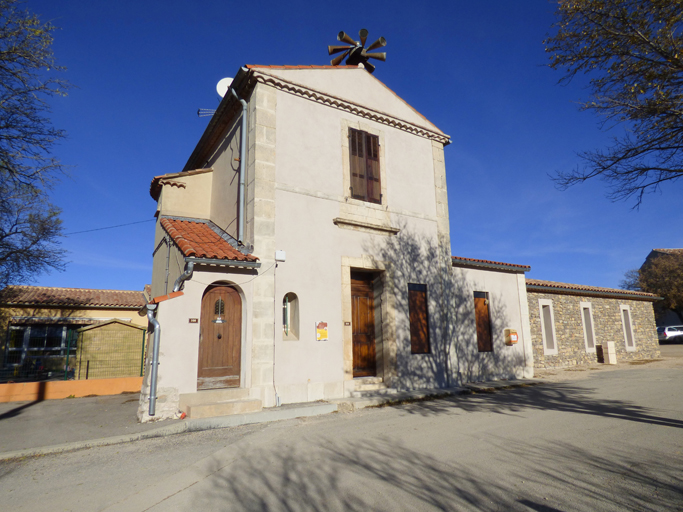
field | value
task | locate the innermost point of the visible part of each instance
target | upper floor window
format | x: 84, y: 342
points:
x: 365, y: 171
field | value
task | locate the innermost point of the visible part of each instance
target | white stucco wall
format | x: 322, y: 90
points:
x: 507, y: 309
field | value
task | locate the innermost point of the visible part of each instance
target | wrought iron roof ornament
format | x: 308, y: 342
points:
x: 357, y: 53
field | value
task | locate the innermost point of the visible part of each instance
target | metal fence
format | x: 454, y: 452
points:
x: 97, y: 352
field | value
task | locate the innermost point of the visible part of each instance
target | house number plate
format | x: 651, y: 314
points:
x: 194, y: 320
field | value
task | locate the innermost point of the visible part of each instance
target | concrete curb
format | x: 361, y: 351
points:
x: 281, y: 413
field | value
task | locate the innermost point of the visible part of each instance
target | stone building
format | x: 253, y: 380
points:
x: 303, y: 252
x: 568, y: 321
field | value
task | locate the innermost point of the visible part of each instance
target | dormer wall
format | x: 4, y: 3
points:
x: 225, y: 162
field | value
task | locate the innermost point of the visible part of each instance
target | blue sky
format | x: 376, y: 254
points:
x: 475, y: 69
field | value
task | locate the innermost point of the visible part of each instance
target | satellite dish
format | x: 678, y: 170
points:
x: 222, y: 86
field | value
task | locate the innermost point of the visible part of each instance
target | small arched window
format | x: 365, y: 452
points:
x: 219, y: 307
x: 290, y: 317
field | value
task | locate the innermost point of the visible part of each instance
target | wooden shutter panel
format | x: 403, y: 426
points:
x: 419, y: 322
x: 483, y: 321
x: 372, y: 168
x: 357, y: 161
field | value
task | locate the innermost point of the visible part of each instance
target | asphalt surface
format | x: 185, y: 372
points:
x: 611, y: 440
x: 26, y: 425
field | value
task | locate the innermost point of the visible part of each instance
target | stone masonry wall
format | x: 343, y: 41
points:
x: 607, y: 326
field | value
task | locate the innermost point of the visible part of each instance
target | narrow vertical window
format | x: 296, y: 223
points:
x: 365, y: 171
x: 588, y: 329
x: 547, y: 327
x: 628, y: 328
x: 290, y: 317
x: 419, y: 320
x: 483, y: 320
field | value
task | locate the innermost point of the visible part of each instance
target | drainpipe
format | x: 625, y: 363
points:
x: 155, y: 358
x: 243, y: 159
x: 189, y: 267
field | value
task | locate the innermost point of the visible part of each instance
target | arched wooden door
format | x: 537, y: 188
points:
x: 220, y: 339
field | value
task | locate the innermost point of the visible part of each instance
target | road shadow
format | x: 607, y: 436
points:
x: 562, y: 397
x: 383, y: 474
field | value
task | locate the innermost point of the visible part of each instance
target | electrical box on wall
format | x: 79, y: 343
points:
x: 511, y: 337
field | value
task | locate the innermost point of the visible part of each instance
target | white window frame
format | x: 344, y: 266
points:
x: 589, y: 307
x: 546, y: 350
x: 622, y: 308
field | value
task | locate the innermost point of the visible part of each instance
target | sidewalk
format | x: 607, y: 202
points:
x: 53, y: 426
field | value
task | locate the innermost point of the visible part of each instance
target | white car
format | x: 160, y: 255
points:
x: 670, y: 333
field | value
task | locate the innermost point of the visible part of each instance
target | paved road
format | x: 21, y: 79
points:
x: 612, y: 441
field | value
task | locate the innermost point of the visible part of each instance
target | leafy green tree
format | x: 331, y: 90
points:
x: 632, y: 50
x: 29, y: 225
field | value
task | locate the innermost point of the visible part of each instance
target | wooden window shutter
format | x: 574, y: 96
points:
x: 372, y: 168
x: 483, y: 322
x: 419, y: 321
x: 357, y: 161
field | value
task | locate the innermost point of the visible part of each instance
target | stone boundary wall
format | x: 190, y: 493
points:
x: 607, y: 326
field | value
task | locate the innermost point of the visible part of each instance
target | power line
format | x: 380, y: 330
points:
x: 108, y: 227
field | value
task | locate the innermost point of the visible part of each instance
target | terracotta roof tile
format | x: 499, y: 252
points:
x: 456, y: 260
x: 76, y: 297
x: 199, y: 238
x: 165, y: 179
x: 552, y: 285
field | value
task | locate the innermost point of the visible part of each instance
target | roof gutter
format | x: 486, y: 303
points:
x: 224, y: 263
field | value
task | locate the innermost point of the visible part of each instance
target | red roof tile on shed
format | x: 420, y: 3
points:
x: 196, y: 239
x: 459, y: 259
x: 76, y: 297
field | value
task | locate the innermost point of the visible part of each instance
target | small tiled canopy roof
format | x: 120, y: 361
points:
x: 459, y: 261
x: 71, y: 297
x: 199, y: 238
x: 554, y: 287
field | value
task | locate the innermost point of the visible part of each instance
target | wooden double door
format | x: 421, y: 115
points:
x: 363, y: 324
x: 220, y: 339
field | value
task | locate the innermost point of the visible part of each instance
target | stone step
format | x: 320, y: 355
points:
x: 227, y: 408
x: 385, y: 391
x: 211, y: 396
x: 367, y: 380
x: 370, y: 387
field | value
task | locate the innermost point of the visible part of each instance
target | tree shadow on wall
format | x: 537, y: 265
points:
x: 383, y: 474
x: 454, y: 356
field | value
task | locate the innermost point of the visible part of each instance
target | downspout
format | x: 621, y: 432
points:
x: 243, y: 159
x: 157, y: 337
x: 189, y: 267
x: 155, y: 358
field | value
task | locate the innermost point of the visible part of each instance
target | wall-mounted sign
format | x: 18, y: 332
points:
x: 321, y: 331
x: 347, y: 324
x: 194, y: 320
